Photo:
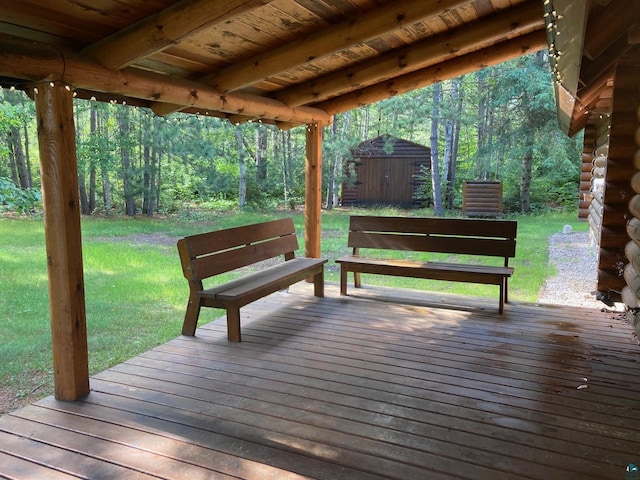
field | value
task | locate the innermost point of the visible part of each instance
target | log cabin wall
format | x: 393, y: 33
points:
x: 628, y: 77
x: 619, y: 199
x: 596, y: 145
x: 586, y: 173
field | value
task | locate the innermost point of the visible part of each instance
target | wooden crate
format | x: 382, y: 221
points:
x: 482, y: 199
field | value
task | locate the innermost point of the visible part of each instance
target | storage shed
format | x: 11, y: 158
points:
x: 385, y: 171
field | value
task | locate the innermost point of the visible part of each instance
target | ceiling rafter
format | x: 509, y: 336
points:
x: 382, y: 20
x: 606, y: 24
x: 497, y: 53
x: 594, y: 69
x: 164, y: 29
x: 430, y: 51
x: 36, y: 61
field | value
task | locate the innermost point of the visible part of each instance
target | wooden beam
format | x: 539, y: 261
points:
x: 374, y: 23
x: 593, y: 69
x: 33, y: 61
x: 313, y: 190
x: 589, y: 94
x: 61, y: 205
x: 519, y: 20
x: 164, y: 29
x: 343, y: 35
x: 607, y: 24
x: 497, y: 53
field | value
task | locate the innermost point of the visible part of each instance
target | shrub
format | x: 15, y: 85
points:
x: 15, y: 199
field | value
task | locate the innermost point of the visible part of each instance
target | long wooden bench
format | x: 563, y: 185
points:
x: 209, y: 254
x: 493, y: 238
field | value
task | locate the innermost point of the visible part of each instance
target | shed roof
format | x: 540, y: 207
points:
x: 388, y: 146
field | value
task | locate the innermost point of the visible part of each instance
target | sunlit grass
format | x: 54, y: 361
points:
x: 136, y: 294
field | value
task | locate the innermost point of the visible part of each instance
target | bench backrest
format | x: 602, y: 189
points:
x: 495, y: 238
x: 208, y: 254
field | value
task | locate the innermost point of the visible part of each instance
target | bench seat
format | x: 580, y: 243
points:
x: 207, y: 255
x: 491, y: 238
x: 259, y: 284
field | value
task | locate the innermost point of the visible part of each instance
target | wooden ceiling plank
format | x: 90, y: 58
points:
x: 592, y: 70
x: 320, y: 45
x: 32, y: 61
x: 607, y: 24
x: 374, y: 23
x: 497, y: 53
x: 428, y: 52
x: 163, y: 29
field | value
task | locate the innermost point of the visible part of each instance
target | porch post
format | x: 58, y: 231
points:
x: 56, y: 138
x: 313, y: 190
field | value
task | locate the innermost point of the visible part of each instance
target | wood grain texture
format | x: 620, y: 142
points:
x: 394, y: 387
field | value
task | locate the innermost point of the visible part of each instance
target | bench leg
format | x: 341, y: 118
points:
x: 356, y: 280
x: 502, y: 296
x: 233, y: 323
x: 343, y: 280
x: 506, y: 282
x: 318, y: 284
x: 191, y: 316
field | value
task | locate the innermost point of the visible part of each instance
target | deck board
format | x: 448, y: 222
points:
x: 368, y: 386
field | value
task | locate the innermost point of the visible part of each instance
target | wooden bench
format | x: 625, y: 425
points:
x: 494, y: 238
x: 209, y: 254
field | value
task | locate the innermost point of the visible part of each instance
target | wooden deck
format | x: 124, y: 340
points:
x: 354, y: 388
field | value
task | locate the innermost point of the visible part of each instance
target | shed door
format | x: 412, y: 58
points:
x: 385, y: 181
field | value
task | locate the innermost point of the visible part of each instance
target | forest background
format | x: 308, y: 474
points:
x: 496, y: 124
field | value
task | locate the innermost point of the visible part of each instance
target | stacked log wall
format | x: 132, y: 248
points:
x: 619, y: 261
x: 596, y: 144
x: 631, y: 169
x: 586, y: 176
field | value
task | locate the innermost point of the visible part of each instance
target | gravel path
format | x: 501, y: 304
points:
x: 576, y: 258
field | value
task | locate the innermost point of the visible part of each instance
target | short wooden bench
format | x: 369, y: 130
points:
x: 209, y: 254
x: 494, y: 238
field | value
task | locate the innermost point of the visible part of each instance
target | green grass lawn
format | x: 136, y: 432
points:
x: 136, y: 294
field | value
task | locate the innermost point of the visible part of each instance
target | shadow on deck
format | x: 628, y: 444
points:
x: 361, y: 387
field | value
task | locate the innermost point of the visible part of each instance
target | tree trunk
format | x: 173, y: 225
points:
x: 82, y: 187
x: 17, y: 155
x: 287, y: 167
x: 27, y: 154
x: 147, y: 198
x: 242, y: 187
x: 107, y: 195
x: 127, y: 171
x: 82, y: 178
x: 456, y: 96
x: 525, y: 183
x: 93, y: 121
x: 435, y: 170
x: 19, y: 171
x: 261, y: 155
x: 158, y: 176
x: 485, y: 127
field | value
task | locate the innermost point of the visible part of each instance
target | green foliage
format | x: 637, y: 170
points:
x: 15, y: 199
x: 136, y: 294
x: 187, y: 159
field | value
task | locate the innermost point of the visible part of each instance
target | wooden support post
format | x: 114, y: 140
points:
x: 56, y: 137
x: 313, y: 190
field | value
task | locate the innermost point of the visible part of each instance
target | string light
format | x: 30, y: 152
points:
x: 551, y: 17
